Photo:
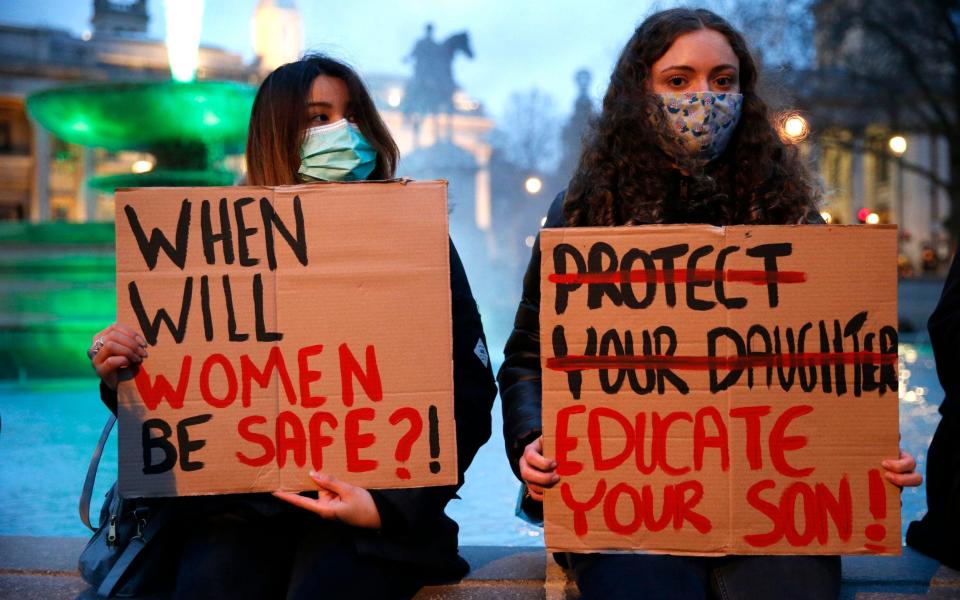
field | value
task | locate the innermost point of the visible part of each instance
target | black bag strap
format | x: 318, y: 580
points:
x: 92, y: 473
x: 147, y: 529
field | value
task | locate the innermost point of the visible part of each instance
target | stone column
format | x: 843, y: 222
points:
x: 483, y: 215
x: 86, y: 197
x: 40, y: 190
x: 933, y: 149
x: 857, y: 175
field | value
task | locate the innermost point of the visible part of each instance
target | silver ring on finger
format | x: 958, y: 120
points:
x: 97, y: 346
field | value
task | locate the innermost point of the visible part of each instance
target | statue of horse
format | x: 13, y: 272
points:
x: 430, y: 90
x: 446, y: 85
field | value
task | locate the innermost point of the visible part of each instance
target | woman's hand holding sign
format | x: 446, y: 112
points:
x: 902, y: 471
x: 337, y: 501
x: 537, y: 471
x: 114, y: 348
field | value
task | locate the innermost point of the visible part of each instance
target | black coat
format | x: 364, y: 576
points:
x: 414, y: 528
x: 944, y: 329
x: 521, y: 392
x: 938, y: 533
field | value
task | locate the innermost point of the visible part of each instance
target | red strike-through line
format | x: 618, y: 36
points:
x: 706, y: 363
x: 680, y: 276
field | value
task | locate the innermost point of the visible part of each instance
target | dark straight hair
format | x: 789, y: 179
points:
x: 280, y: 118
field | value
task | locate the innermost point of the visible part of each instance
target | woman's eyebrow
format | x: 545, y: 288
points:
x: 678, y: 68
x: 723, y: 68
x: 320, y: 104
x: 690, y: 69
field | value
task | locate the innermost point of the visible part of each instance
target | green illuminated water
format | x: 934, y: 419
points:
x: 163, y: 178
x: 56, y: 290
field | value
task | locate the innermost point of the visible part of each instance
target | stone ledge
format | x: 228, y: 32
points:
x: 946, y: 577
x: 45, y: 568
x: 474, y: 590
x: 909, y: 568
x: 19, y: 586
x: 40, y: 554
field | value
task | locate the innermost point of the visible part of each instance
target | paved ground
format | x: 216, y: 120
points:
x: 34, y: 568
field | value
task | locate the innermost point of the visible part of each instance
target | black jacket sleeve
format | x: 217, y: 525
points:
x: 519, y: 377
x: 412, y: 510
x: 944, y: 329
x: 108, y: 397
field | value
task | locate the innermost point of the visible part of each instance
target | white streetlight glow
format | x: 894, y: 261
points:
x: 394, y: 97
x: 795, y: 128
x: 873, y: 218
x: 141, y: 166
x: 898, y: 145
x: 533, y: 185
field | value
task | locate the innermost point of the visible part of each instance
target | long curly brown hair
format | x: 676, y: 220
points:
x: 633, y: 171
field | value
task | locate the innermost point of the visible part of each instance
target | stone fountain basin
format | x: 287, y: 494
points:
x: 145, y: 115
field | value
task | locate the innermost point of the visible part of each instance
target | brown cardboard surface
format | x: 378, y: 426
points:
x: 659, y: 446
x: 335, y: 357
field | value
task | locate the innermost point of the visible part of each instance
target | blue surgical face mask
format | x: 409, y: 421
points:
x: 704, y: 122
x: 336, y: 152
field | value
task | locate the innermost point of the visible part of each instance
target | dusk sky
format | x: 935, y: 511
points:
x: 518, y: 45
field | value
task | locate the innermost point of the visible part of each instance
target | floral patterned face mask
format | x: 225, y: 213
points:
x: 703, y: 121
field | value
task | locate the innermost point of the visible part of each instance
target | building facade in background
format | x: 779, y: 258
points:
x: 875, y: 151
x: 277, y: 33
x: 43, y: 178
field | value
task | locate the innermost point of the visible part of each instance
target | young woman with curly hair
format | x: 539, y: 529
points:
x: 683, y: 138
x: 635, y: 169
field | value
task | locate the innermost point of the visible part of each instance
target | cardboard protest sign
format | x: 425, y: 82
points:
x: 720, y: 390
x: 289, y: 329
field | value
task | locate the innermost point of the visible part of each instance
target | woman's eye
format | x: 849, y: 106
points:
x: 321, y: 117
x: 676, y: 81
x: 724, y: 81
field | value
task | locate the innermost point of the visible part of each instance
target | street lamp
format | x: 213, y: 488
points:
x: 533, y: 185
x: 794, y: 128
x: 898, y: 146
x: 141, y: 166
x: 394, y: 97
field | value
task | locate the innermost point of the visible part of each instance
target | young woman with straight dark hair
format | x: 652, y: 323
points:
x: 280, y: 119
x: 313, y: 120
